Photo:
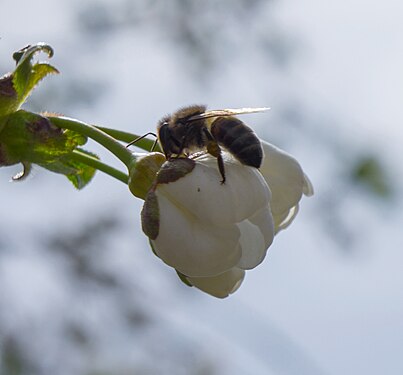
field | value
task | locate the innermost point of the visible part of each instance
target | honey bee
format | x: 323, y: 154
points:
x: 192, y: 129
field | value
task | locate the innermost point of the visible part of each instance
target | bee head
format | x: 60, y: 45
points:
x: 173, y: 129
x: 164, y: 135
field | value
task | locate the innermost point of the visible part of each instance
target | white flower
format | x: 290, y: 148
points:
x: 287, y: 183
x: 212, y: 232
x: 222, y: 285
x: 205, y: 227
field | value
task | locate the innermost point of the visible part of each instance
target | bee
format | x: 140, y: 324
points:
x: 194, y: 128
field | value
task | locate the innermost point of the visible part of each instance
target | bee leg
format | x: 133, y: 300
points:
x: 220, y: 163
x: 214, y: 149
x: 181, y: 146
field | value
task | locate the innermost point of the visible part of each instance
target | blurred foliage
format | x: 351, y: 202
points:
x: 369, y: 173
x: 207, y: 34
x: 83, y: 248
x: 12, y: 358
x: 347, y: 169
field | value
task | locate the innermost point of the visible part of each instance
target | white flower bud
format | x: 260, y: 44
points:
x: 202, y: 222
x: 212, y: 232
x: 244, y: 192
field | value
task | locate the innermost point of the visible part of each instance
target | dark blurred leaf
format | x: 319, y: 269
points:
x: 12, y: 360
x: 84, y: 248
x: 369, y: 172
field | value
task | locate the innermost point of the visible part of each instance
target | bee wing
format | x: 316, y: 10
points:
x: 226, y: 112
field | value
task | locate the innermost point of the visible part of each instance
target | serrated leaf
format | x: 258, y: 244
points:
x: 78, y: 173
x: 26, y: 74
x: 29, y: 137
x: 74, y: 139
x: 38, y: 72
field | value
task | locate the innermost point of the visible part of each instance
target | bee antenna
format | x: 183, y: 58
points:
x: 143, y: 136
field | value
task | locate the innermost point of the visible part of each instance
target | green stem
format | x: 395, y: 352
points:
x: 97, y: 164
x: 144, y: 143
x: 97, y: 135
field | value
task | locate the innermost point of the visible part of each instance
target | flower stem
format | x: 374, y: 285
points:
x: 97, y: 164
x: 144, y: 143
x: 97, y: 135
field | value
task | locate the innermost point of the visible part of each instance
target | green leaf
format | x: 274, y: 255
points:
x: 26, y: 75
x: 15, y: 87
x: 8, y: 97
x: 78, y: 173
x: 31, y: 138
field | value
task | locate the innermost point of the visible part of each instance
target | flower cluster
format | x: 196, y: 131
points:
x: 211, y: 233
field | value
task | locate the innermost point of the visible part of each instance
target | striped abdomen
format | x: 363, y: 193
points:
x: 239, y: 139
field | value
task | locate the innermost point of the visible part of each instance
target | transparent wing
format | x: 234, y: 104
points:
x: 226, y: 112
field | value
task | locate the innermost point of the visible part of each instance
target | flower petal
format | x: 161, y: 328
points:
x: 285, y: 178
x: 220, y: 286
x: 256, y: 236
x: 308, y: 187
x: 194, y: 247
x: 264, y: 220
x: 284, y: 220
x: 244, y: 192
